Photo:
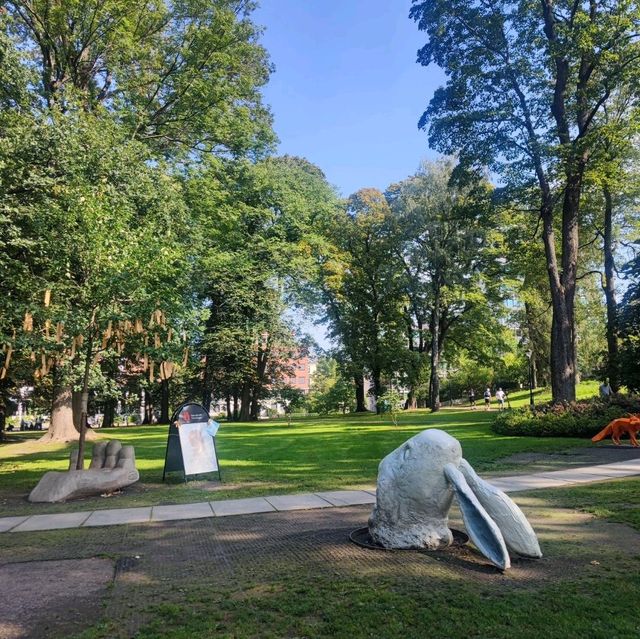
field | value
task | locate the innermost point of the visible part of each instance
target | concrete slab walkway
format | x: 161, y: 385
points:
x: 305, y: 501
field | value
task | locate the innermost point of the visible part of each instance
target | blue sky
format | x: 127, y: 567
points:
x: 347, y: 92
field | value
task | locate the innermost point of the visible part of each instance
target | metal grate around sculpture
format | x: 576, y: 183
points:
x: 416, y: 486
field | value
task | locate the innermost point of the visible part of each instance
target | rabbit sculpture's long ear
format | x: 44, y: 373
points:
x: 483, y: 531
x: 516, y: 530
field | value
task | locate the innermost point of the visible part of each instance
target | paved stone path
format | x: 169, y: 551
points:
x: 306, y: 501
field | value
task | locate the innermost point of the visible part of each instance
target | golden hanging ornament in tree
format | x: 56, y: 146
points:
x: 166, y: 370
x: 7, y: 360
x: 47, y: 298
x: 27, y: 325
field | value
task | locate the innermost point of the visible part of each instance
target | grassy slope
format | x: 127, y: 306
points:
x: 269, y: 457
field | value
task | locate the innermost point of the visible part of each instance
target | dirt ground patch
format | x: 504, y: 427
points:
x: 43, y: 598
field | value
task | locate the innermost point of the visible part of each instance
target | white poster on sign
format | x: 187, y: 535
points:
x: 198, y: 449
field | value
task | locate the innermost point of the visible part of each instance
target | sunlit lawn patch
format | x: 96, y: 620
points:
x: 267, y: 457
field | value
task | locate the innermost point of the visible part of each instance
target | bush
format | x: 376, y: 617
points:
x: 577, y: 419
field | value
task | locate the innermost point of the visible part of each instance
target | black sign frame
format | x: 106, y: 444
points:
x: 173, y: 460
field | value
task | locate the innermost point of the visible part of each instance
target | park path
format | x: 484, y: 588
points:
x: 305, y: 501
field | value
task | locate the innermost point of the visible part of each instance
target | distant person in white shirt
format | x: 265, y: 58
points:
x: 487, y: 399
x: 500, y: 396
x: 605, y: 390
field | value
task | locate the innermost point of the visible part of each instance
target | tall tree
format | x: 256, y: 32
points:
x: 443, y: 236
x: 630, y: 326
x: 257, y: 223
x: 526, y: 83
x: 183, y: 76
x: 362, y: 292
x: 98, y: 236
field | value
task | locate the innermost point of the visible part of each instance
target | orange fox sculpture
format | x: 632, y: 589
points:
x: 619, y: 426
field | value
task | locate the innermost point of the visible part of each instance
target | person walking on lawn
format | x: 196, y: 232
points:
x: 487, y: 399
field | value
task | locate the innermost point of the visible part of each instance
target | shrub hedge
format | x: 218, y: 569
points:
x: 576, y: 419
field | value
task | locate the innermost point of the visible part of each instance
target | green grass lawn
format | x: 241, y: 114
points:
x: 270, y: 457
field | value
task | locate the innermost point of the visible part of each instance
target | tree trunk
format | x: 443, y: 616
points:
x: 109, y: 413
x: 434, y: 379
x: 361, y: 406
x: 377, y: 387
x: 148, y: 407
x: 613, y: 367
x: 562, y: 324
x: 245, y: 403
x: 164, y: 401
x: 3, y: 408
x: 84, y: 405
x: 228, y: 402
x: 76, y: 404
x: 411, y: 402
x: 236, y: 415
x: 206, y: 391
x: 61, y: 426
x: 254, y: 413
x: 261, y: 368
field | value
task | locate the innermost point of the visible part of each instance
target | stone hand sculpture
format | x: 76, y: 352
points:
x: 113, y: 466
x: 416, y: 486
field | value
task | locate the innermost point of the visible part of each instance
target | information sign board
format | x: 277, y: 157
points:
x: 191, y: 445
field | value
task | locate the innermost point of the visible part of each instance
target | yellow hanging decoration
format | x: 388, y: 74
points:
x: 32, y: 357
x: 47, y: 297
x: 151, y: 367
x: 7, y: 360
x: 7, y: 357
x: 47, y: 328
x: 139, y: 326
x: 59, y: 330
x: 185, y: 358
x: 166, y: 370
x: 27, y: 325
x: 145, y: 362
x: 156, y: 340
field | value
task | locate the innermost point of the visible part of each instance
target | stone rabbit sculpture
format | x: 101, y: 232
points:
x: 113, y: 466
x: 416, y: 486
